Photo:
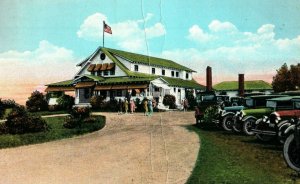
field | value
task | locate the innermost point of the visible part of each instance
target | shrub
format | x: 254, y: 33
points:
x: 97, y: 102
x: 66, y: 102
x: 169, y: 100
x: 9, y: 103
x: 78, y: 115
x: 2, y: 109
x: 36, y: 102
x: 210, y: 113
x: 20, y: 122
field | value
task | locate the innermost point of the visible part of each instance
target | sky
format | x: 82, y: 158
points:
x: 42, y: 41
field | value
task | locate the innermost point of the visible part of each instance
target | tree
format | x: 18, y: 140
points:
x: 36, y: 102
x: 295, y: 74
x: 283, y: 80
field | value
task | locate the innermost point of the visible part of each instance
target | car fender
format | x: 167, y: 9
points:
x: 289, y: 129
x: 227, y: 113
x: 248, y: 117
x: 282, y: 123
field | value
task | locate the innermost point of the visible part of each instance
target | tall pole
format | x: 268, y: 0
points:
x: 103, y: 34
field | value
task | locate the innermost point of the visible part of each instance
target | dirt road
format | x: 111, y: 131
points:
x: 130, y: 149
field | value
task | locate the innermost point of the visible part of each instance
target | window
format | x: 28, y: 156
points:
x: 99, y: 73
x: 177, y: 74
x: 136, y: 68
x: 179, y: 90
x: 105, y: 72
x: 187, y: 75
x: 112, y: 72
x: 163, y: 72
x: 156, y: 89
x: 153, y: 70
x: 175, y: 90
x: 119, y: 92
x: 172, y: 73
x: 92, y: 73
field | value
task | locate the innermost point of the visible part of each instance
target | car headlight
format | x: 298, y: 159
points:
x: 265, y: 118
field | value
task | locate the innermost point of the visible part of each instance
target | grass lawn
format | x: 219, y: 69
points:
x: 57, y: 131
x: 225, y: 157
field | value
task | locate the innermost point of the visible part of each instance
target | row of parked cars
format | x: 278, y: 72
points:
x: 267, y: 117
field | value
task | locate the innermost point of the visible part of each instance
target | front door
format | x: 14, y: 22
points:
x: 84, y: 95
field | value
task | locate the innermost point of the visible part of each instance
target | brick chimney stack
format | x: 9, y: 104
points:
x: 241, y: 85
x: 208, y: 79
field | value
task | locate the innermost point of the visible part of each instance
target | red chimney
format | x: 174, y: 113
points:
x: 241, y: 85
x: 208, y: 79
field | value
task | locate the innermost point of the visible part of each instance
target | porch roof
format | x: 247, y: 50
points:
x: 59, y: 88
x: 85, y: 84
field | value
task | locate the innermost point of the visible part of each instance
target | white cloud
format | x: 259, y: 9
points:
x: 24, y: 72
x: 217, y: 26
x: 197, y: 34
x: 257, y: 54
x: 129, y: 34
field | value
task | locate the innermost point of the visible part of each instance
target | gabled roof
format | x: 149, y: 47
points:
x: 249, y: 85
x: 137, y: 58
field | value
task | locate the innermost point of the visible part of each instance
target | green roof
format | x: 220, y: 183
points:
x: 94, y: 77
x: 249, y: 85
x: 113, y: 80
x: 62, y: 83
x: 183, y: 83
x: 285, y: 98
x: 147, y: 60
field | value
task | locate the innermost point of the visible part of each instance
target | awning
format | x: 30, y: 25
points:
x: 97, y: 68
x: 59, y: 88
x: 137, y: 86
x: 110, y: 66
x: 98, y: 88
x: 91, y: 67
x: 85, y: 84
x: 119, y: 87
x: 161, y: 85
x: 104, y: 66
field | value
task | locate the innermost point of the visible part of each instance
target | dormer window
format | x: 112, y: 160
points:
x: 102, y: 56
x: 177, y: 74
x: 112, y: 72
x: 153, y: 70
x: 92, y: 73
x: 99, y: 73
x: 172, y: 73
x: 105, y: 72
x: 136, y: 68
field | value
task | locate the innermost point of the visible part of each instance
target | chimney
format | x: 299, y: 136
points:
x: 241, y: 85
x: 208, y: 79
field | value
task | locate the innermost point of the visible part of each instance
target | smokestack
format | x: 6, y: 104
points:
x: 208, y: 79
x: 241, y: 85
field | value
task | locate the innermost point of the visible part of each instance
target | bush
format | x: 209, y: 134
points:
x: 20, y: 122
x: 9, y: 103
x: 97, y: 102
x: 65, y: 102
x: 169, y: 100
x: 36, y: 102
x: 210, y: 113
x: 2, y: 109
x: 78, y: 115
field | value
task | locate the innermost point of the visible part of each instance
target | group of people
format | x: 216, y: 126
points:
x: 124, y: 106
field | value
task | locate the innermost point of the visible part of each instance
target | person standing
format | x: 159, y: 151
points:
x: 145, y: 105
x: 126, y: 106
x: 132, y: 106
x: 150, y: 107
x: 120, y: 106
x: 185, y: 105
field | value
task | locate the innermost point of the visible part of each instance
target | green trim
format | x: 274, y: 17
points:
x: 147, y: 60
x: 249, y: 85
x: 62, y: 83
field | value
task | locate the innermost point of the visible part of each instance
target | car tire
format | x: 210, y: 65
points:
x: 248, y: 125
x: 290, y: 153
x: 227, y: 122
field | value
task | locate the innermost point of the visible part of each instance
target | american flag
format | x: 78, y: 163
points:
x: 106, y: 28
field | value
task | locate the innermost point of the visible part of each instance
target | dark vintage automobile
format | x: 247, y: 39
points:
x: 291, y: 148
x: 256, y: 107
x: 208, y: 99
x: 284, y: 109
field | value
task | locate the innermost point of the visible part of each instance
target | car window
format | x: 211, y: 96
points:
x: 297, y: 105
x: 271, y: 104
x: 249, y: 102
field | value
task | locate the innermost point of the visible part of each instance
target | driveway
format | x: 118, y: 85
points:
x: 129, y: 149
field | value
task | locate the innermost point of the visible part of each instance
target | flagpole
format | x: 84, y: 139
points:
x: 103, y: 34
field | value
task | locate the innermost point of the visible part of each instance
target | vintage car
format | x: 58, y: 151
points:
x: 207, y: 99
x: 244, y: 120
x: 237, y: 101
x: 284, y: 109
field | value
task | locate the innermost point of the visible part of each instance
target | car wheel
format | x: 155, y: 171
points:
x: 290, y: 153
x: 248, y: 125
x: 237, y: 127
x: 227, y: 122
